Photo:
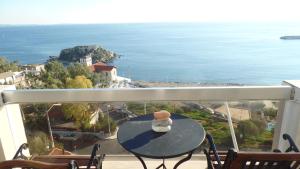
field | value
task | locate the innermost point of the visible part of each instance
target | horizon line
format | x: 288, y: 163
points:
x: 154, y: 22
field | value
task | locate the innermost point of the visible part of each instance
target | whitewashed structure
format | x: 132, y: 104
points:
x: 86, y: 60
x: 109, y: 72
x: 10, y: 78
x: 34, y: 69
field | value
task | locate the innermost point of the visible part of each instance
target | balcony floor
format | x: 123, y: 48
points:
x: 121, y: 162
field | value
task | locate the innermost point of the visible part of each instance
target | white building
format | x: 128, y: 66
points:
x: 12, y: 78
x: 110, y: 72
x: 86, y: 60
x: 34, y: 69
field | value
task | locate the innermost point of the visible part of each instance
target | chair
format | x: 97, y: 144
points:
x: 233, y: 159
x: 84, y: 161
x: 37, y: 165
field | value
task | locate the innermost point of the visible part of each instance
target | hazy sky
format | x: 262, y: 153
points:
x: 120, y: 11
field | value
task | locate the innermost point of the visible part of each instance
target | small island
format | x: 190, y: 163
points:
x: 96, y: 52
x: 290, y: 37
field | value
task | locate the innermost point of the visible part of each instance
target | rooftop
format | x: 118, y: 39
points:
x: 100, y: 66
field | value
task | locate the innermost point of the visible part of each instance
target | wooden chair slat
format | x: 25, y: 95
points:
x: 251, y: 165
x: 260, y: 165
x: 254, y: 160
x: 80, y: 159
x: 32, y: 164
x: 295, y: 165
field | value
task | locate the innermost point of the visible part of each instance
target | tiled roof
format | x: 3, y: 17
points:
x: 57, y: 151
x: 100, y: 66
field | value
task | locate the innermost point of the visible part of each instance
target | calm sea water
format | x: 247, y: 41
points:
x: 177, y: 52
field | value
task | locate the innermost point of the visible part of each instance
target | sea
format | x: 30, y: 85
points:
x: 214, y: 53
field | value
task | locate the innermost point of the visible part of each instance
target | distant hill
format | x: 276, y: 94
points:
x: 290, y: 37
x: 98, y: 54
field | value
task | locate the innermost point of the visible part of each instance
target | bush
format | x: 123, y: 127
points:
x: 247, y: 128
x: 38, y: 143
x: 256, y: 106
x: 261, y: 125
x: 270, y: 112
x: 104, y: 124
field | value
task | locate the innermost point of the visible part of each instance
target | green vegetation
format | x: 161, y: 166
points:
x: 138, y: 108
x: 79, y: 112
x: 250, y: 133
x: 6, y: 65
x: 35, y: 118
x: 97, y: 53
x: 271, y: 112
x: 38, y: 143
x: 249, y: 128
x: 56, y: 76
x: 102, y: 124
x: 219, y: 129
x: 256, y: 107
x: 79, y: 82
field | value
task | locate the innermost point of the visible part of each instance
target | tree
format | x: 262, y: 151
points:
x: 270, y: 112
x: 79, y: 82
x: 38, y: 143
x: 256, y: 106
x: 249, y: 128
x: 77, y: 69
x: 54, y: 76
x: 79, y: 112
x: 99, y: 80
x: 35, y: 118
x: 6, y: 65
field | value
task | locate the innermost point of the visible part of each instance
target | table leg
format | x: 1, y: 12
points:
x: 162, y: 165
x: 142, y: 161
x: 184, y: 160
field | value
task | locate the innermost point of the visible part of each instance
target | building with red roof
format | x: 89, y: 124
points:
x: 110, y: 72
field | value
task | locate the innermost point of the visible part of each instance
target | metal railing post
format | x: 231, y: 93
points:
x: 145, y: 108
x: 235, y: 144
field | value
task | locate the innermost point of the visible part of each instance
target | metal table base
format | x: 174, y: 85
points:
x: 162, y: 165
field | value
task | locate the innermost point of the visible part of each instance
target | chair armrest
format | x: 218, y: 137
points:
x: 209, y: 160
x: 96, y: 160
x: 19, y: 154
x: 293, y: 146
x: 213, y: 149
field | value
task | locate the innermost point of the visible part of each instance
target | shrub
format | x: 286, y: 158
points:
x: 38, y: 143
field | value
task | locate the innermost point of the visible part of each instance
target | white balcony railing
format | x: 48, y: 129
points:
x: 284, y: 93
x: 148, y: 94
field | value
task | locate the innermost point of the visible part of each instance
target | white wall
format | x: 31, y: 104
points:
x: 113, y: 74
x: 12, y: 132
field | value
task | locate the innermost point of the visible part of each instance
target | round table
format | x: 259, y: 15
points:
x: 137, y: 137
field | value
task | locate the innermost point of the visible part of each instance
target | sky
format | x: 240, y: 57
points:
x: 141, y: 11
